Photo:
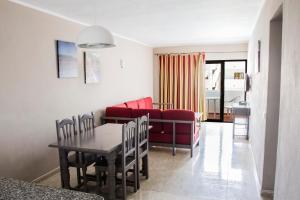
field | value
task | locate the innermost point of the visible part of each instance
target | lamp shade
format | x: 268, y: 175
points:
x: 95, y: 37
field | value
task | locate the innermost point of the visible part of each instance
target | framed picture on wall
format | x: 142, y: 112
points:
x: 67, y: 63
x: 92, y: 66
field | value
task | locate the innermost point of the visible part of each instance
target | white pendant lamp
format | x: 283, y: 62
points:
x: 95, y: 37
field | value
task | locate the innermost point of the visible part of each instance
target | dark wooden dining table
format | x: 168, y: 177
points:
x: 104, y: 140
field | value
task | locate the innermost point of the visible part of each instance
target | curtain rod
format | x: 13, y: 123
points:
x: 201, y: 52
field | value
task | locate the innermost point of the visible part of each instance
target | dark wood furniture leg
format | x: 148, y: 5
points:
x: 111, y: 179
x: 145, y: 166
x: 64, y: 169
x: 84, y: 169
x: 78, y: 173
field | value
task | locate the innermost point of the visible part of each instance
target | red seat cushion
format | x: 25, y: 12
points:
x: 184, y: 115
x: 153, y: 114
x: 141, y: 103
x: 118, y: 112
x: 148, y: 103
x: 132, y: 104
x: 122, y: 105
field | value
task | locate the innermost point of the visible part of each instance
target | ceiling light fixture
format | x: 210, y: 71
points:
x: 95, y: 37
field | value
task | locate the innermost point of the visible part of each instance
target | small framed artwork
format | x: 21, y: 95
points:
x: 67, y: 63
x: 92, y: 66
x: 238, y: 75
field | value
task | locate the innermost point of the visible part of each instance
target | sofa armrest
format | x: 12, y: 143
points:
x: 169, y: 105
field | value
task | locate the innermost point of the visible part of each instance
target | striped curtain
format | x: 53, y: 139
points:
x: 182, y: 81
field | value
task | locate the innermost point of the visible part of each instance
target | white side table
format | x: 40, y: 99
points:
x: 242, y: 111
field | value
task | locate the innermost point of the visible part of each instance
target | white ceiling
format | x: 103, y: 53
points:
x: 162, y: 22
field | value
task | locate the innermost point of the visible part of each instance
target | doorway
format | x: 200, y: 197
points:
x: 224, y: 86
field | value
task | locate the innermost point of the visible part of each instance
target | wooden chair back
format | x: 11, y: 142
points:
x: 129, y: 140
x: 143, y: 132
x: 86, y: 122
x: 66, y: 128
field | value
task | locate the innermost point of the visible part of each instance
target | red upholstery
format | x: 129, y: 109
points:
x: 122, y: 105
x: 132, y: 104
x: 168, y: 138
x: 160, y: 138
x: 141, y: 103
x: 186, y: 138
x: 185, y: 115
x: 153, y: 114
x: 118, y: 112
x: 160, y: 132
x: 148, y: 103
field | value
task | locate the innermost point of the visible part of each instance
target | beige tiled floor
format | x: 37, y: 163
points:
x: 221, y: 169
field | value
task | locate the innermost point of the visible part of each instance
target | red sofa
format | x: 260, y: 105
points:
x: 175, y: 128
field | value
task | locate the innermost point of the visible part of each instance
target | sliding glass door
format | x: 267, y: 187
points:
x: 213, y: 90
x: 225, y: 86
x: 234, y: 86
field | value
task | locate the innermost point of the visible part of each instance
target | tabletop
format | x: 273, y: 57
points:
x: 239, y: 109
x: 103, y: 139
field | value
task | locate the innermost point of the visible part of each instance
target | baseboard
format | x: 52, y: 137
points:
x: 47, y: 175
x: 264, y: 193
x: 258, y: 184
x: 267, y: 193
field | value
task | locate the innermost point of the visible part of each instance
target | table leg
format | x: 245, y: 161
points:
x: 215, y: 108
x: 208, y: 106
x: 111, y: 182
x: 64, y: 170
x: 248, y: 127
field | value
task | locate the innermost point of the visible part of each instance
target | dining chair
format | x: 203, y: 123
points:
x: 126, y: 160
x: 67, y: 129
x: 142, y: 147
x: 86, y: 126
x: 129, y: 156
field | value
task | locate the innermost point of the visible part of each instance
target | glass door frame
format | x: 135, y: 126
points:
x: 222, y: 63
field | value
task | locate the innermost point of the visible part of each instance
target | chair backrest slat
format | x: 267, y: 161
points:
x: 129, y: 139
x: 143, y: 130
x: 66, y: 128
x: 86, y: 122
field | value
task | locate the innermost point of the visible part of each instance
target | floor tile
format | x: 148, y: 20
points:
x: 221, y: 169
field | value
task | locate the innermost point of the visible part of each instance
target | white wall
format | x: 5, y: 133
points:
x: 288, y: 153
x: 32, y: 97
x: 213, y: 52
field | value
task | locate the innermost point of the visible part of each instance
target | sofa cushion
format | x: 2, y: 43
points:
x: 184, y: 115
x: 153, y: 114
x: 132, y: 104
x: 122, y: 105
x: 148, y: 103
x: 118, y: 112
x: 141, y: 103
